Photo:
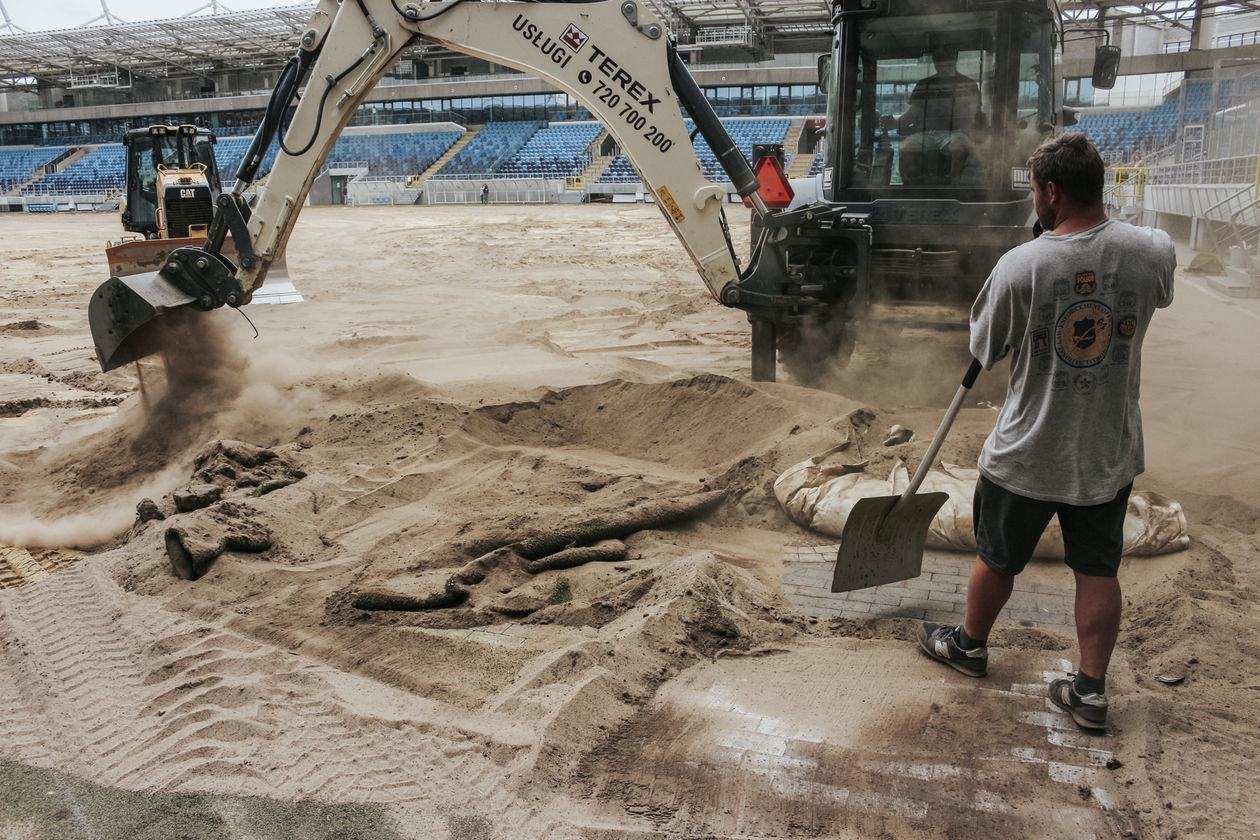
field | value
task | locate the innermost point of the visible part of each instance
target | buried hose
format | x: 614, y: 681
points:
x: 451, y: 595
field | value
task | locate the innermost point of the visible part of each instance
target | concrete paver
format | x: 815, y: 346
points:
x: 1043, y: 595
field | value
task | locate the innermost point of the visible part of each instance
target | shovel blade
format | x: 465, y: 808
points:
x: 883, y: 542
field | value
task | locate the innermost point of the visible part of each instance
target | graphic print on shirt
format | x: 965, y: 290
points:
x: 1040, y: 341
x: 1083, y: 333
x: 1085, y: 283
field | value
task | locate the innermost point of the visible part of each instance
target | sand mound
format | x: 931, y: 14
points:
x: 686, y: 609
x: 669, y: 422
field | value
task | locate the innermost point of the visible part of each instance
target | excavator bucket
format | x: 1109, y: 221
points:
x: 124, y: 317
x: 124, y: 313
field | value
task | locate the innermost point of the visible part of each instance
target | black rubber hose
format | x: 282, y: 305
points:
x: 287, y: 86
x: 728, y: 154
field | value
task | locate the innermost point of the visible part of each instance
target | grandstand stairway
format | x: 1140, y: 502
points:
x: 455, y: 149
x: 801, y: 162
x: 64, y: 162
x: 597, y: 167
x: 598, y: 162
x: 73, y: 157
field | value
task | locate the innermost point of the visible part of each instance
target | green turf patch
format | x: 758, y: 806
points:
x: 47, y: 805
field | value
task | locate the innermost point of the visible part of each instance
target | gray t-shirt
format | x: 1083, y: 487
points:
x: 1072, y: 311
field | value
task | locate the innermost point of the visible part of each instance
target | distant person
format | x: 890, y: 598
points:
x: 485, y: 193
x: 1071, y: 309
x: 944, y: 108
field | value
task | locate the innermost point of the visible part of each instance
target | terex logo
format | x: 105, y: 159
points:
x: 574, y: 38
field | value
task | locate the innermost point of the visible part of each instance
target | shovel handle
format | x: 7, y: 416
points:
x: 969, y: 379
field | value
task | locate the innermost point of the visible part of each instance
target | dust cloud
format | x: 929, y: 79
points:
x: 200, y: 386
x: 21, y: 526
x: 910, y: 367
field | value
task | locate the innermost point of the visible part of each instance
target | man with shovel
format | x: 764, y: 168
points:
x: 1071, y: 308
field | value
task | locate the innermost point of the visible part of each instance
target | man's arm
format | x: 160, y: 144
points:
x: 1168, y: 268
x: 993, y: 319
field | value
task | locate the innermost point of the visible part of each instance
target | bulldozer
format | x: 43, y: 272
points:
x: 906, y: 218
x: 171, y: 188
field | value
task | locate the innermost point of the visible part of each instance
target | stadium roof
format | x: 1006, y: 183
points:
x: 191, y: 45
x: 113, y: 54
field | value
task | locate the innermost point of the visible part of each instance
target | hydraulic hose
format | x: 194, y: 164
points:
x: 286, y: 88
x: 728, y: 154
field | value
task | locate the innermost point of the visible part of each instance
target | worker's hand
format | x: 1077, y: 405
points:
x: 889, y: 122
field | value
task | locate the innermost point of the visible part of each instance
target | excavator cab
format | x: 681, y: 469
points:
x: 172, y: 180
x: 941, y: 100
x: 933, y: 109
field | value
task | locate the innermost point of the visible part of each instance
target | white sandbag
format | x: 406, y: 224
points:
x: 819, y: 494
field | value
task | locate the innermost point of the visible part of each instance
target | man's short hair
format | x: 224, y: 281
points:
x: 1072, y: 162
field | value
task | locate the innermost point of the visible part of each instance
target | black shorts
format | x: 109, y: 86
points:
x: 1008, y: 526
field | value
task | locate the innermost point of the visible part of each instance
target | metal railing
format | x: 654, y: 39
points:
x: 1230, y: 170
x: 502, y: 191
x: 1241, y: 224
x: 1128, y: 182
x: 343, y: 164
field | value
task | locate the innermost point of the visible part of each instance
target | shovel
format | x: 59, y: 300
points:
x: 884, y: 535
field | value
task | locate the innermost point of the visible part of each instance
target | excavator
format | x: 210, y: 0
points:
x: 890, y: 229
x: 171, y: 185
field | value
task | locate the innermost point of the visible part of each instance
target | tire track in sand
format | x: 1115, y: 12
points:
x: 95, y: 682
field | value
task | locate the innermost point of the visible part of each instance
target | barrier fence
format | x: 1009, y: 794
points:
x: 499, y: 191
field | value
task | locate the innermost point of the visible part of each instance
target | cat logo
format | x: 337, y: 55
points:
x: 1085, y: 283
x: 183, y: 193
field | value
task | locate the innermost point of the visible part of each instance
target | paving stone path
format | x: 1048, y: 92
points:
x: 1042, y: 598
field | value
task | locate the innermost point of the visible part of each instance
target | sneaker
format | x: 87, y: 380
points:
x: 939, y: 642
x: 1089, y: 711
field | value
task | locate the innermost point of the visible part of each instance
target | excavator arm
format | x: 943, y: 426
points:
x: 614, y: 56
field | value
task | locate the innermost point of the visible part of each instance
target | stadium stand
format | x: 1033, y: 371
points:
x: 230, y: 151
x: 745, y: 132
x: 537, y: 149
x: 1119, y: 135
x: 620, y: 171
x: 555, y: 151
x: 493, y: 145
x: 17, y: 166
x: 99, y: 171
x: 407, y: 153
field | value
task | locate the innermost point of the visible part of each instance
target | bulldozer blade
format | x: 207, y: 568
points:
x: 276, y: 287
x: 123, y: 315
x: 136, y: 256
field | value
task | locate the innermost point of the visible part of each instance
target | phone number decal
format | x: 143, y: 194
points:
x: 622, y: 91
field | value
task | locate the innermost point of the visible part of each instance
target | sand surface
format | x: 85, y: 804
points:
x: 461, y: 378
